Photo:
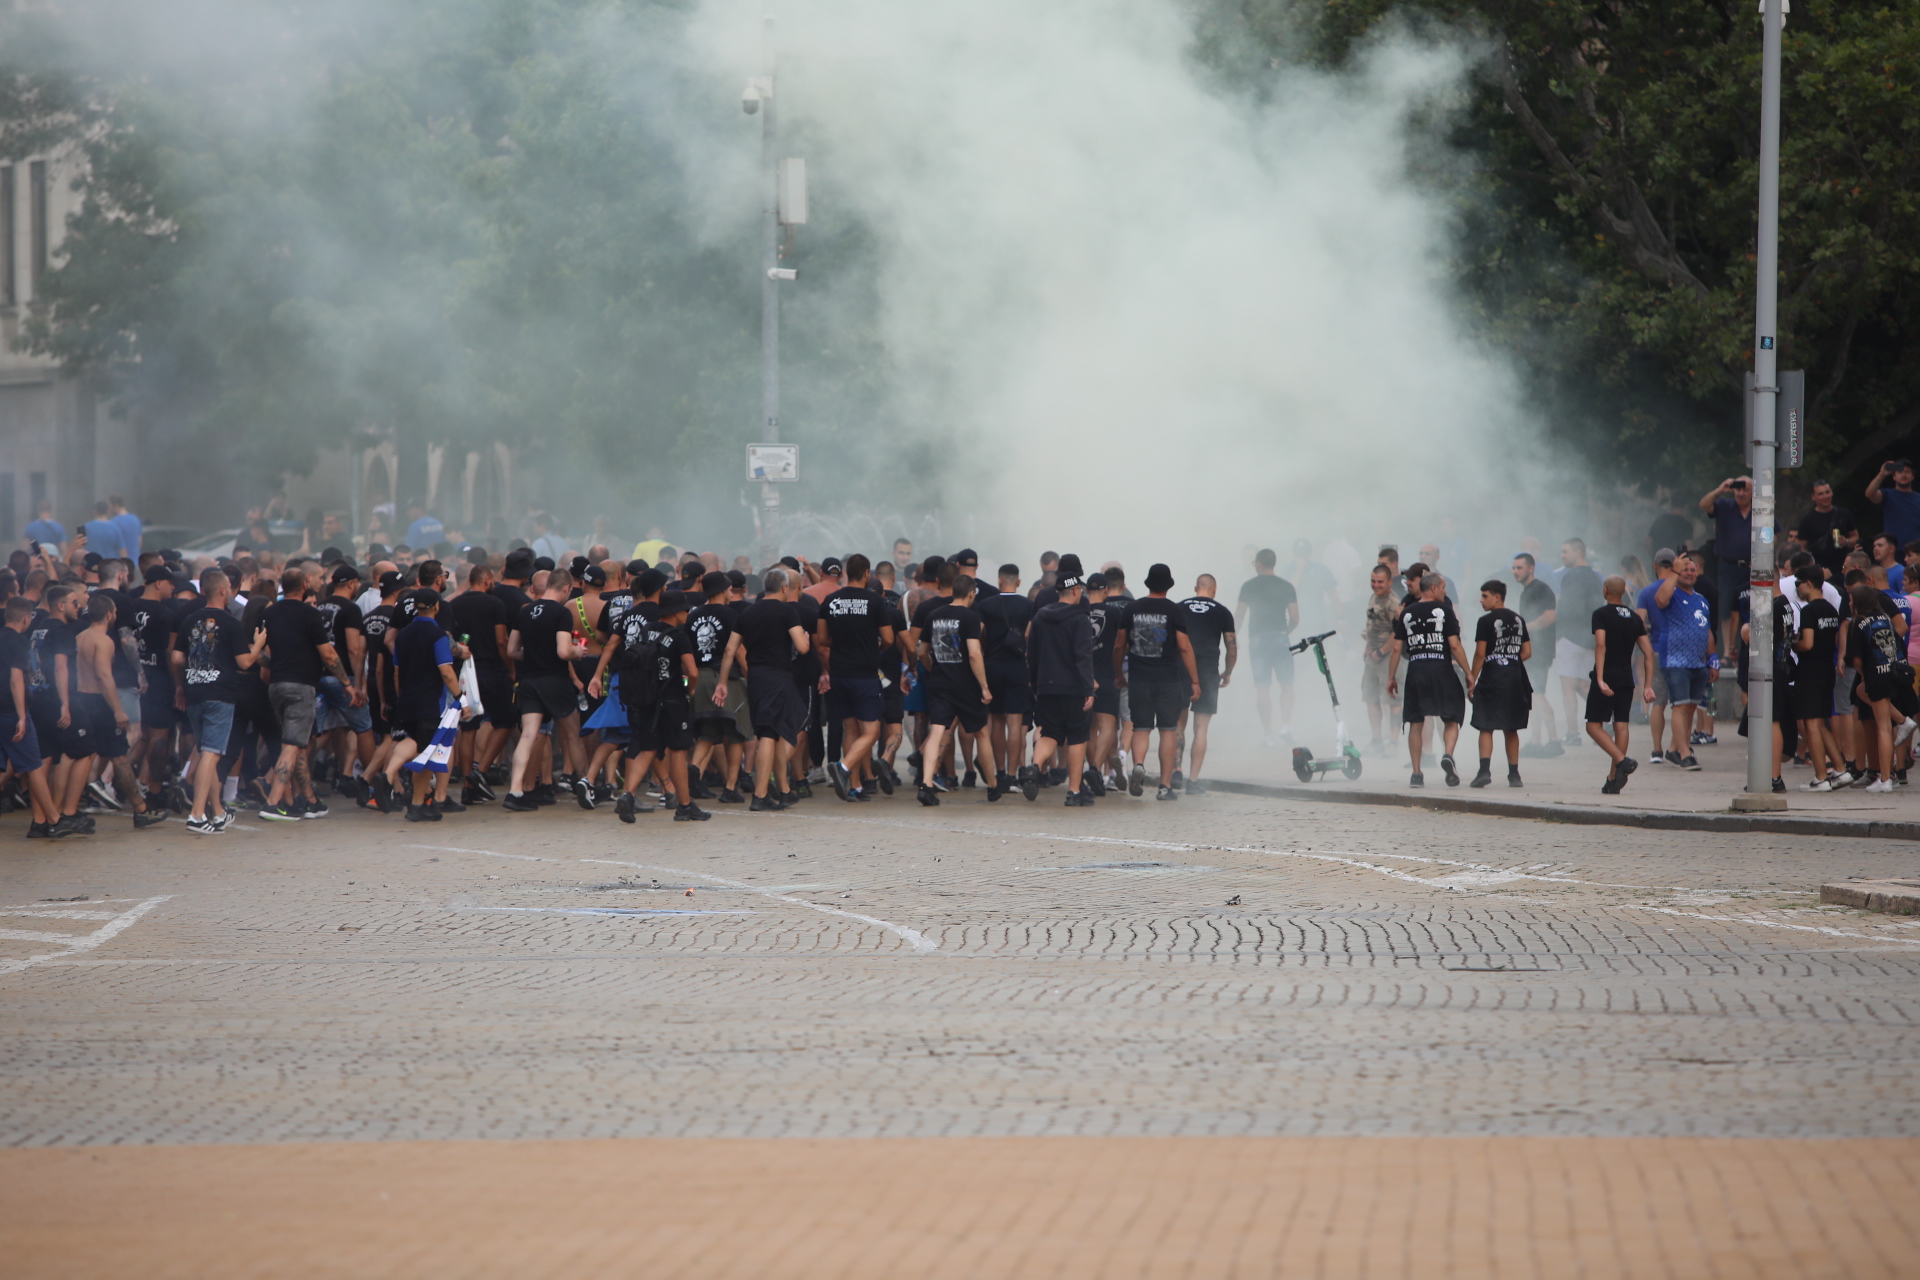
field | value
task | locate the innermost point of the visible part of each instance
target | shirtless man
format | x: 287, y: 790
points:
x: 98, y: 718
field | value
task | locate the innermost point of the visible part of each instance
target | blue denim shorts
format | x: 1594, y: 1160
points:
x: 212, y: 725
x: 335, y: 697
x: 1688, y: 686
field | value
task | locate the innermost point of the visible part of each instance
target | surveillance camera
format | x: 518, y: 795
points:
x: 782, y: 273
x: 750, y: 100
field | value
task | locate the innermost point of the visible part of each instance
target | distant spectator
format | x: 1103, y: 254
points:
x: 1730, y: 503
x: 1686, y: 662
x: 1902, y: 515
x: 1580, y: 595
x: 47, y: 531
x: 103, y: 535
x: 423, y: 530
x: 1829, y: 532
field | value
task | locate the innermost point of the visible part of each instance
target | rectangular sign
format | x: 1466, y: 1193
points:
x: 773, y: 462
x: 1790, y: 418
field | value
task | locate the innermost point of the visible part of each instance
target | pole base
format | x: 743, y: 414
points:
x: 1747, y: 802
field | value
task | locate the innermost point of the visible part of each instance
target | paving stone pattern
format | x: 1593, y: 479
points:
x: 973, y: 970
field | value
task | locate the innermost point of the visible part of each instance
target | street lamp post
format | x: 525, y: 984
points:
x: 759, y: 97
x: 1766, y: 357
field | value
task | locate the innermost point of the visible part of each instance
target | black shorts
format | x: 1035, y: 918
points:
x: 1157, y: 704
x: 1810, y: 695
x: 893, y: 704
x: 1602, y: 708
x: 551, y: 696
x: 945, y: 705
x: 585, y: 669
x: 1012, y: 693
x: 1208, y: 704
x: 775, y: 705
x: 54, y: 741
x: 496, y: 696
x: 668, y: 726
x: 1106, y: 701
x: 93, y: 731
x: 1064, y: 717
x: 1879, y: 688
x: 855, y: 698
x: 1432, y: 689
x: 421, y: 730
x: 1503, y: 698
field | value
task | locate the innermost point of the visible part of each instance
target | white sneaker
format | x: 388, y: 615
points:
x: 1883, y: 785
x: 1905, y: 730
x: 1839, y: 780
x: 1822, y: 785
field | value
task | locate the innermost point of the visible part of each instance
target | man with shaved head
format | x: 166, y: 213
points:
x: 1210, y: 629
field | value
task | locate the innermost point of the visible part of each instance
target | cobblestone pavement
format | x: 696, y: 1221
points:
x: 1220, y: 966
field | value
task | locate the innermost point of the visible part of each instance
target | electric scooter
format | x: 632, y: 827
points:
x: 1347, y: 761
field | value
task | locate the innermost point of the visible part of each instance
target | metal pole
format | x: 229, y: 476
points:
x: 769, y: 304
x: 1766, y: 356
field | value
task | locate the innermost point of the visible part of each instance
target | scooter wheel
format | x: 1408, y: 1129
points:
x: 1351, y: 767
x: 1303, y: 764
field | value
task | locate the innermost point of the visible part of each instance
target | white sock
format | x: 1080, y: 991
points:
x: 230, y: 792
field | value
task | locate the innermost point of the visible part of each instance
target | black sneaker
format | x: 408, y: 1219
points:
x: 842, y: 783
x: 1673, y: 757
x: 1090, y: 780
x: 1029, y: 782
x: 1195, y: 787
x: 1057, y: 776
x: 1006, y: 781
x: 478, y: 781
x: 697, y: 789
x: 1626, y: 767
x: 994, y: 793
x: 103, y: 797
x: 45, y: 831
x: 1611, y: 787
x: 470, y: 796
x: 1513, y: 778
x: 1078, y: 800
x: 1689, y: 762
x: 421, y: 813
x: 929, y: 797
x: 583, y: 792
x: 729, y: 796
x: 382, y: 793
x: 518, y: 802
x: 1179, y: 780
x: 1779, y: 785
x: 1482, y: 779
x: 802, y: 790
x: 543, y: 794
x: 969, y: 780
x: 623, y: 806
x: 690, y: 813
x: 314, y: 809
x: 280, y: 813
x: 765, y: 804
x: 602, y: 792
x: 1453, y: 773
x: 884, y: 775
x: 1166, y: 793
x: 150, y: 818
x: 1417, y: 780
x: 449, y: 805
x: 1137, y: 780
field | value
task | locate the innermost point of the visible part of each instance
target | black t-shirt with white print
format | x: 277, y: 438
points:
x: 1504, y: 632
x: 541, y: 624
x: 1154, y: 626
x: 1423, y: 629
x: 948, y: 628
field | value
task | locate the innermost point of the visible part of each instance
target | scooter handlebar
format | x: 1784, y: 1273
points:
x: 1301, y: 646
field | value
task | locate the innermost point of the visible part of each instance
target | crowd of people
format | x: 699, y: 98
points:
x: 426, y: 682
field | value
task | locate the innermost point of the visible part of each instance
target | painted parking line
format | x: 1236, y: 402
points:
x: 70, y: 944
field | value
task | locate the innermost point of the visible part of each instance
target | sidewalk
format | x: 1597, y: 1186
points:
x: 1564, y: 788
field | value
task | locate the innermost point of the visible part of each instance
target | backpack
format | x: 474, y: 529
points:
x: 640, y: 665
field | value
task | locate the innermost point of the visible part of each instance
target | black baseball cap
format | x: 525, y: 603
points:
x: 391, y: 579
x: 425, y: 598
x: 157, y: 573
x: 592, y: 574
x: 830, y: 565
x: 345, y: 573
x: 1096, y: 582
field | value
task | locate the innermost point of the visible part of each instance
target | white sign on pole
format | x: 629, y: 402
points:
x: 773, y: 462
x: 793, y: 192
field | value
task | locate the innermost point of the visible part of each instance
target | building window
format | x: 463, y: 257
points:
x: 8, y: 293
x: 9, y: 517
x: 37, y: 219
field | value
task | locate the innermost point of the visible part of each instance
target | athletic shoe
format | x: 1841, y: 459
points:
x: 690, y: 813
x: 478, y: 781
x: 696, y: 790
x: 421, y: 813
x: 518, y: 802
x: 841, y: 780
x: 150, y: 818
x: 1078, y: 800
x: 1195, y: 787
x: 1611, y: 787
x: 449, y: 805
x: 315, y: 810
x: 1090, y: 780
x: 469, y: 797
x: 1179, y: 780
x: 1531, y: 751
x: 1700, y: 739
x: 1899, y: 777
x: 802, y: 790
x: 280, y: 813
x: 1005, y: 781
x: 1690, y: 762
x: 1821, y: 785
x: 884, y: 775
x: 1627, y: 766
x: 1029, y: 782
x: 1482, y: 779
x: 1841, y: 778
x: 1879, y: 786
x: 970, y: 779
x: 1166, y: 793
x: 1513, y: 778
x: 45, y: 831
x: 765, y: 804
x: 603, y: 792
x: 1573, y: 739
x: 199, y: 826
x: 103, y: 797
x: 1448, y: 767
x: 583, y: 792
x: 928, y: 796
x: 729, y: 796
x: 382, y: 793
x: 938, y: 784
x: 623, y: 806
x: 1673, y: 758
x: 222, y: 822
x: 994, y: 793
x: 1417, y: 780
x: 543, y: 794
x: 863, y: 794
x: 1778, y: 786
x: 1057, y: 776
x: 1137, y: 780
x: 1656, y: 758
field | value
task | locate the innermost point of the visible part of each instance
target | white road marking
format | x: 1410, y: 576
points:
x: 73, y: 945
x: 919, y: 941
x: 616, y: 911
x: 1772, y: 924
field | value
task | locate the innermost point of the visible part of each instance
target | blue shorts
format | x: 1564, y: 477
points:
x: 851, y: 698
x: 916, y: 700
x: 212, y: 724
x: 1688, y: 686
x: 23, y: 755
x: 1271, y: 658
x: 333, y: 696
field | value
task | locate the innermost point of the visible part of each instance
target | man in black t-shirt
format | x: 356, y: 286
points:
x: 338, y: 699
x: 151, y: 620
x: 52, y: 664
x: 768, y: 634
x: 478, y: 618
x: 19, y: 741
x: 658, y: 669
x: 1061, y: 643
x: 1161, y: 674
x: 212, y: 661
x: 1617, y: 632
x: 808, y: 746
x: 1209, y: 630
x: 1817, y: 648
x: 721, y: 731
x: 1107, y: 615
x: 300, y: 650
x: 1501, y: 647
x: 541, y: 645
x: 1427, y: 637
x: 1004, y: 617
x: 855, y: 628
x: 957, y: 688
